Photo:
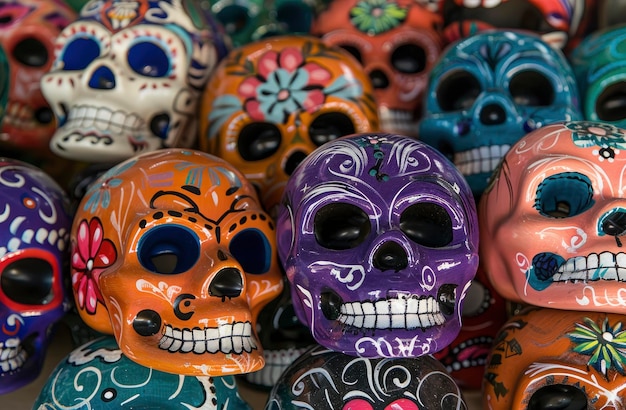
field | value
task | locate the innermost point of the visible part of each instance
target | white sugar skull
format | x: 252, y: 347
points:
x: 127, y: 78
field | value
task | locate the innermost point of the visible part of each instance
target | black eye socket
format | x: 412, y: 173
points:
x: 611, y: 104
x: 259, y: 140
x: 340, y: 226
x: 458, y: 91
x: 558, y: 396
x: 427, y: 224
x: 352, y: 50
x: 79, y: 53
x: 28, y: 281
x: 409, y: 59
x: 564, y: 195
x: 329, y: 126
x: 31, y: 52
x: 234, y: 18
x: 252, y: 250
x: 168, y: 249
x: 531, y: 88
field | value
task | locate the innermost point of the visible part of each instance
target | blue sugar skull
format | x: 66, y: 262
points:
x: 489, y: 90
x: 599, y: 63
x: 97, y: 376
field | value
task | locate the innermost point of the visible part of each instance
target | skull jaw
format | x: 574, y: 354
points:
x: 25, y: 362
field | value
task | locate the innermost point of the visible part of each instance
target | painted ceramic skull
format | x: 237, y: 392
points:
x: 552, y: 221
x: 34, y: 235
x: 246, y: 21
x: 600, y: 66
x: 488, y: 91
x: 397, y: 42
x: 558, y: 359
x: 378, y: 236
x: 271, y: 103
x: 562, y: 24
x: 28, y: 29
x: 128, y: 76
x: 98, y: 376
x: 173, y: 254
x: 323, y: 379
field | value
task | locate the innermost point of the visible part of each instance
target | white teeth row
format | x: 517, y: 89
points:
x: 226, y: 338
x: 18, y: 115
x: 399, y: 313
x: 103, y: 119
x: 606, y: 266
x: 479, y: 160
x: 481, y: 3
x: 276, y: 361
x: 398, y: 120
x: 12, y: 356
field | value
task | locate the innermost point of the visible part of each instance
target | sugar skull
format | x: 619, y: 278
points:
x: 600, y: 66
x: 378, y: 236
x: 552, y: 221
x: 246, y: 21
x: 560, y: 23
x: 128, y: 76
x: 34, y: 236
x: 173, y: 254
x: 489, y: 90
x: 398, y: 42
x: 484, y: 313
x: 270, y: 103
x: 98, y: 376
x: 28, y: 29
x: 558, y: 359
x: 323, y: 379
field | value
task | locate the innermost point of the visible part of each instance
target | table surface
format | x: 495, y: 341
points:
x: 62, y: 344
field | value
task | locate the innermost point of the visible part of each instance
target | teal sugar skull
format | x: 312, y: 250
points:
x: 599, y: 63
x: 98, y: 376
x: 489, y: 90
x: 250, y: 20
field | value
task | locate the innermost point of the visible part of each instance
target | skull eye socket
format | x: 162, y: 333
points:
x: 149, y: 59
x: 458, y: 91
x: 564, y: 195
x: 258, y: 141
x: 28, y: 281
x: 611, y: 104
x: 31, y: 52
x: 427, y: 224
x: 79, y: 53
x: 352, y: 50
x: 252, y: 250
x: 558, y: 396
x: 409, y: 59
x: 531, y: 88
x: 341, y: 226
x: 168, y: 249
x: 234, y: 18
x: 330, y: 126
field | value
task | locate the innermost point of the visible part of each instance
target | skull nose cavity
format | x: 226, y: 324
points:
x: 293, y: 161
x: 390, y: 255
x: 379, y: 79
x: 147, y: 323
x: 446, y: 296
x: 102, y: 79
x: 492, y: 114
x: 227, y: 283
x: 331, y: 305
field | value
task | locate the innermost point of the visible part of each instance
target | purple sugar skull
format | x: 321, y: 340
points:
x: 34, y: 234
x: 378, y: 236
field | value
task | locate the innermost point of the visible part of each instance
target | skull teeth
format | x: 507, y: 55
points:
x: 605, y: 266
x: 480, y: 160
x: 104, y: 119
x: 12, y: 355
x: 227, y: 338
x: 399, y: 121
x: 398, y: 313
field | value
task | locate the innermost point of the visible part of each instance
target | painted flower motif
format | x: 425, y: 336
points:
x: 99, y: 193
x: 285, y: 83
x: 377, y: 16
x: 91, y: 254
x: 606, y: 345
x: 589, y: 134
x: 606, y: 153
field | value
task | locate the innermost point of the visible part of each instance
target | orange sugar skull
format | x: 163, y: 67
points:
x: 558, y: 359
x: 553, y: 220
x: 270, y: 103
x: 173, y: 255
